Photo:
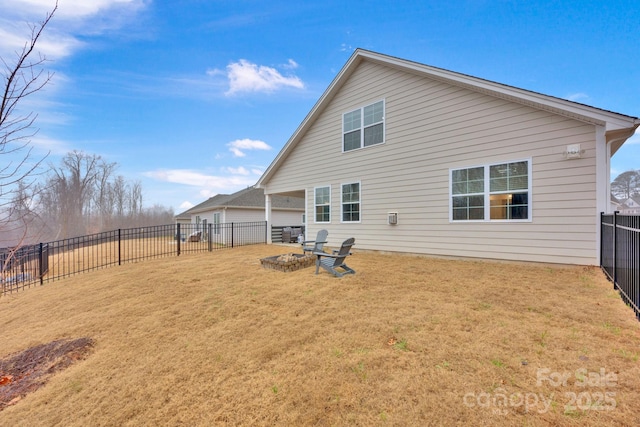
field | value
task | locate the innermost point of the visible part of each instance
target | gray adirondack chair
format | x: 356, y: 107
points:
x: 315, y: 245
x: 334, y: 263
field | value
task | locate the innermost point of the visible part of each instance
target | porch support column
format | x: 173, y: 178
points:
x: 267, y: 216
x: 603, y: 198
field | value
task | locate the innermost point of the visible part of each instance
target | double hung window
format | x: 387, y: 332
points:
x: 492, y: 192
x: 322, y: 204
x: 350, y: 202
x: 363, y: 127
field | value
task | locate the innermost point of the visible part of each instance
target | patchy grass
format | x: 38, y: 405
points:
x: 213, y: 338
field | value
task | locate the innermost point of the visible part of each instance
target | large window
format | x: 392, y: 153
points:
x: 350, y: 202
x: 492, y: 192
x: 322, y: 204
x: 363, y: 127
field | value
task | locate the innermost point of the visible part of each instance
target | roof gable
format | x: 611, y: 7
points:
x: 618, y: 127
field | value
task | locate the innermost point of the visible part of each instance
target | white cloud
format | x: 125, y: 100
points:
x: 239, y: 146
x: 245, y: 76
x: 45, y: 144
x: 238, y: 171
x: 199, y: 179
x: 256, y: 171
x: 291, y: 65
x: 186, y: 205
x: 72, y: 19
x: 577, y: 97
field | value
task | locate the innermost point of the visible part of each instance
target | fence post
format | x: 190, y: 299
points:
x: 615, y: 250
x: 209, y: 236
x: 119, y: 247
x: 601, y: 239
x: 178, y: 238
x: 41, y: 266
x: 266, y: 232
x: 232, y: 235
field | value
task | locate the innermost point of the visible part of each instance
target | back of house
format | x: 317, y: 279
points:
x: 410, y: 158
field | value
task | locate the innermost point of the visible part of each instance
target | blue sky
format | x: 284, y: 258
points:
x: 196, y: 97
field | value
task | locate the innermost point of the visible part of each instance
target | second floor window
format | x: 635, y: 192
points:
x: 363, y: 127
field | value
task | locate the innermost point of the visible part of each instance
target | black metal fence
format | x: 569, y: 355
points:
x: 620, y: 255
x: 36, y: 264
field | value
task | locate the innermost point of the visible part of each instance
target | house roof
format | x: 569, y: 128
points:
x: 248, y: 198
x: 618, y: 127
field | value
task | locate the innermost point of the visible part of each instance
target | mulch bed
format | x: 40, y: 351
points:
x: 25, y: 372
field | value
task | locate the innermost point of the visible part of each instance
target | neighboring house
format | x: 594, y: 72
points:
x: 631, y: 206
x: 246, y: 205
x: 410, y: 158
x: 183, y: 218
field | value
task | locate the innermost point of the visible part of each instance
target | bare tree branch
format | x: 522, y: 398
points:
x: 20, y: 78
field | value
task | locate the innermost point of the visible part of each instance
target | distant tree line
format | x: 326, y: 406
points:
x: 82, y: 195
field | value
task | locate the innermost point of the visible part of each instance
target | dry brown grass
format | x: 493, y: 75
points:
x: 213, y: 338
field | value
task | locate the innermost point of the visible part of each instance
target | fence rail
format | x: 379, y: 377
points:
x: 620, y: 255
x: 36, y: 264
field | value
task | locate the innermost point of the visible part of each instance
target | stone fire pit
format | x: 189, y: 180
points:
x: 288, y: 262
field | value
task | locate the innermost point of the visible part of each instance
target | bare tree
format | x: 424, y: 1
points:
x: 74, y: 185
x: 626, y: 185
x: 21, y: 77
x: 103, y: 205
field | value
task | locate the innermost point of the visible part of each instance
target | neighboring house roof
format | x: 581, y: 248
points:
x: 632, y: 202
x: 618, y: 127
x: 249, y: 198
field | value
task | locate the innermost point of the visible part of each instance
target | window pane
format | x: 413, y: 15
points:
x: 460, y: 202
x: 322, y: 213
x: 352, y: 140
x: 509, y: 206
x: 518, y: 182
x: 499, y: 184
x: 322, y: 195
x: 476, y: 213
x: 459, y: 175
x: 373, y: 113
x: 509, y: 176
x: 475, y: 186
x: 476, y: 174
x: 468, y: 208
x: 519, y: 208
x: 459, y: 188
x: 374, y: 135
x: 351, y: 212
x: 468, y: 181
x: 460, y: 214
x: 476, y: 201
x: 518, y: 168
x: 351, y: 193
x: 351, y: 121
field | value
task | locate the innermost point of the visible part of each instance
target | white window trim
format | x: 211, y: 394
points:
x: 359, y: 202
x: 487, y: 193
x: 315, y: 218
x: 384, y: 125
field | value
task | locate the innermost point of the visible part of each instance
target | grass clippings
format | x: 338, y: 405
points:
x: 215, y: 339
x: 28, y: 370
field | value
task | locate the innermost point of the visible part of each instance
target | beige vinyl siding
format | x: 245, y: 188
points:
x: 431, y: 127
